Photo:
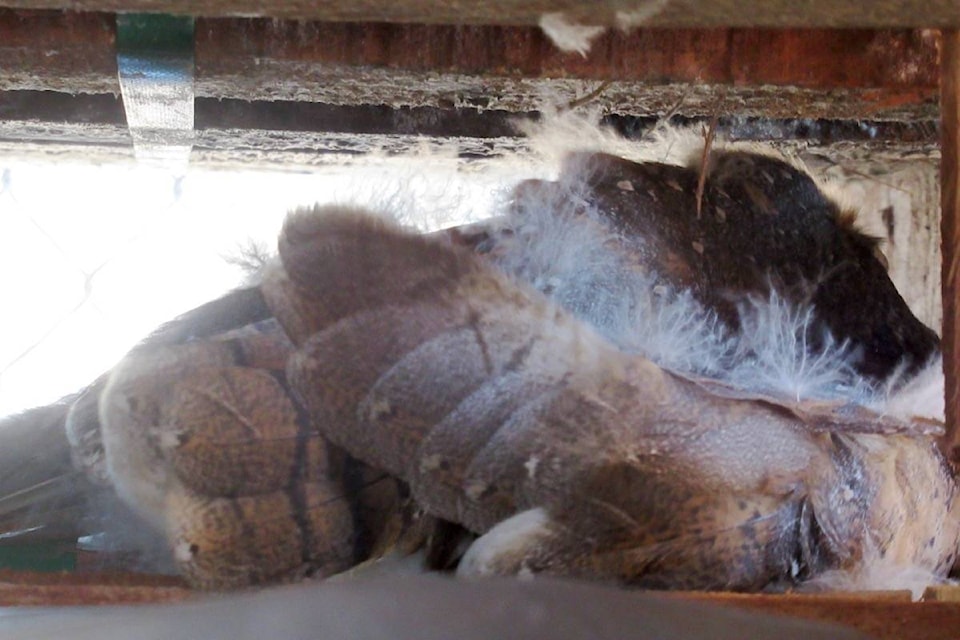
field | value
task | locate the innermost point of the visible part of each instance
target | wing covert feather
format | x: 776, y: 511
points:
x: 492, y: 402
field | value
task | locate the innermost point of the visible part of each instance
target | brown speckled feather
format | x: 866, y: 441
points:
x: 491, y: 401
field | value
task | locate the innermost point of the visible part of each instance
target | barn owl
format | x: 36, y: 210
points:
x: 583, y: 387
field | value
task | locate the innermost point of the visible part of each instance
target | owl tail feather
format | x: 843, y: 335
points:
x: 42, y: 496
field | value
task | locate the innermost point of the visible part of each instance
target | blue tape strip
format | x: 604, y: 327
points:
x: 155, y: 68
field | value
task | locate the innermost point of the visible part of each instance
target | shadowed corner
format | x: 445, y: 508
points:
x: 42, y: 498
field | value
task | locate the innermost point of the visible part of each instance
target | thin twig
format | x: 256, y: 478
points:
x: 867, y: 176
x: 708, y: 135
x: 672, y: 111
x: 582, y: 100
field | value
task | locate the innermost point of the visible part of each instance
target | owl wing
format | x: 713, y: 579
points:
x: 507, y: 415
x: 830, y: 416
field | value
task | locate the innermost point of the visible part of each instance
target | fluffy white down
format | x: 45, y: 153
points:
x: 876, y: 574
x: 568, y: 36
x: 505, y: 544
x: 559, y: 243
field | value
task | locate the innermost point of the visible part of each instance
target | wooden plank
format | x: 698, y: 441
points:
x: 809, y: 58
x: 883, y: 615
x: 890, y: 74
x: 512, y: 68
x: 27, y: 588
x: 226, y: 125
x: 57, y: 51
x: 673, y: 13
x: 950, y: 231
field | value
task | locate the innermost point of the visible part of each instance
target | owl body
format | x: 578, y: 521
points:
x: 630, y: 471
x: 584, y: 388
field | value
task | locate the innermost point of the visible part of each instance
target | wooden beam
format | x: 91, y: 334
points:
x: 623, y: 13
x: 950, y: 231
x: 58, y: 51
x: 830, y: 74
x: 57, y: 125
x: 793, y: 73
x: 884, y: 615
x: 808, y: 58
x: 227, y: 124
